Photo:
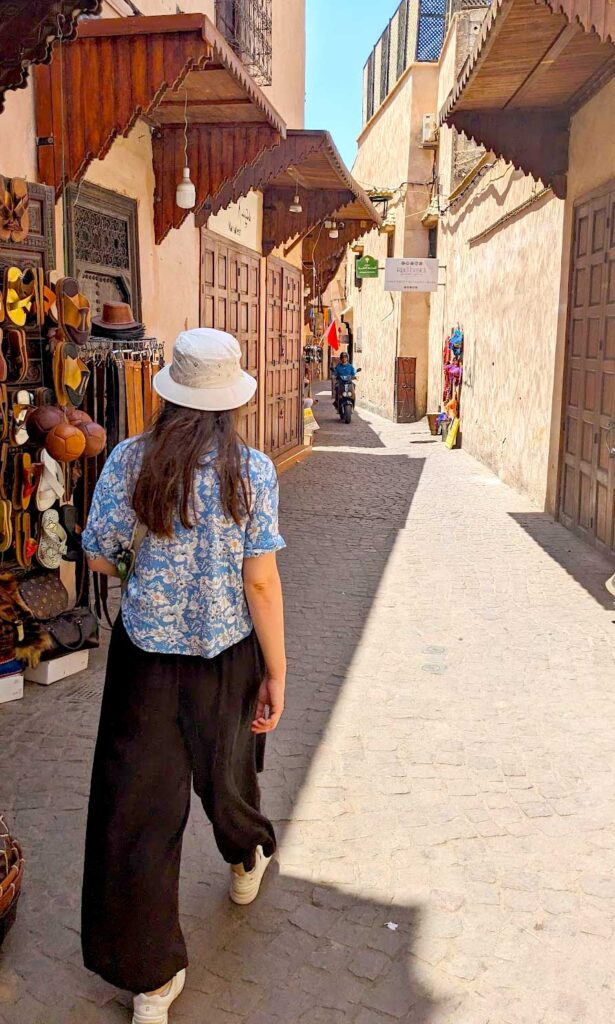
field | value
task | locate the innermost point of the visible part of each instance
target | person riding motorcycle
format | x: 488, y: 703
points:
x: 343, y: 371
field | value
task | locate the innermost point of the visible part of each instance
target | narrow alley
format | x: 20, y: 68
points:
x: 442, y: 782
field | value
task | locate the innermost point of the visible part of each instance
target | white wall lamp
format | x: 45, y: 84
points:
x: 334, y: 233
x: 185, y: 193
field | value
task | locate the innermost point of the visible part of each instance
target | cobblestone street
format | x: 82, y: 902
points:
x: 442, y: 782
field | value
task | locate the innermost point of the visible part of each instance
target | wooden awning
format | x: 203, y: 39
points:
x: 155, y: 68
x: 28, y: 32
x: 307, y: 164
x: 533, y: 65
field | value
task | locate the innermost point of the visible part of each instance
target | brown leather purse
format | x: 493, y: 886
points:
x: 45, y: 595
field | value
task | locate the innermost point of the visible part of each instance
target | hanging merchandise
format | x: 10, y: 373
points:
x: 452, y: 375
x: 332, y: 336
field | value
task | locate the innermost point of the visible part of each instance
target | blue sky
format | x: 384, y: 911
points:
x: 340, y: 35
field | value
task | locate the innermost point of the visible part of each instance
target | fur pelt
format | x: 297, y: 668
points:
x: 36, y: 640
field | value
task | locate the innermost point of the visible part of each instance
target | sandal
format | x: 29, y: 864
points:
x: 74, y: 311
x: 21, y: 216
x: 72, y: 367
x: 58, y: 373
x: 21, y: 409
x: 6, y: 508
x: 4, y: 366
x: 4, y: 412
x: 6, y: 211
x: 18, y: 362
x: 25, y: 545
x: 32, y: 284
x: 26, y: 478
x: 52, y: 540
x: 19, y: 297
x: 51, y: 487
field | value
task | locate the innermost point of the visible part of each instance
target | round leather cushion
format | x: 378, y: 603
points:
x: 65, y: 442
x: 40, y: 421
x: 95, y: 438
x: 77, y: 416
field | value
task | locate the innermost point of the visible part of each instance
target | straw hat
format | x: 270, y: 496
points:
x: 206, y: 372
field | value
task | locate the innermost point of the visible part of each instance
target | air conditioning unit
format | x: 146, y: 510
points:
x: 430, y: 131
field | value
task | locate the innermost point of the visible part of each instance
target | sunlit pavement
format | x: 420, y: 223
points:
x: 442, y: 783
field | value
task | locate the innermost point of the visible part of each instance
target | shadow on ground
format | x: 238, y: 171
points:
x: 305, y: 953
x: 580, y: 561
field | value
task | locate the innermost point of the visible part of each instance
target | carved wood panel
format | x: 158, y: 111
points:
x: 103, y: 246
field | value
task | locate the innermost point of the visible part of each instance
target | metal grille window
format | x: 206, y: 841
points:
x: 369, y: 104
x: 432, y: 18
x: 402, y: 37
x: 246, y: 25
x: 385, y: 54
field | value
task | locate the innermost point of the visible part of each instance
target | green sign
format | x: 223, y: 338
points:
x: 367, y: 266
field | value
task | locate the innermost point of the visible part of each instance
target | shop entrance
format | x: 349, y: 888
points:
x: 230, y: 301
x: 587, y: 494
x: 283, y: 409
x: 405, y: 389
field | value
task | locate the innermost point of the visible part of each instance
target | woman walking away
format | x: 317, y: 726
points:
x: 196, y: 668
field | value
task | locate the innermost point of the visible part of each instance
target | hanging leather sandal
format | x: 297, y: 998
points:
x: 17, y: 351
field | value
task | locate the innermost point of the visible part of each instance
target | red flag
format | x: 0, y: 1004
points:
x: 332, y: 336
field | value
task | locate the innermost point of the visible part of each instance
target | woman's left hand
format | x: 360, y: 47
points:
x: 271, y: 699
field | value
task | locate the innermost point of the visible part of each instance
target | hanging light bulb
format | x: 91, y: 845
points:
x: 185, y: 193
x: 334, y: 233
x: 295, y: 206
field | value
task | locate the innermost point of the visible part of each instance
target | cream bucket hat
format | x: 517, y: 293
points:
x: 205, y: 372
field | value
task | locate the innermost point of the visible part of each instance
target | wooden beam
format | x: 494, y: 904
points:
x: 545, y: 64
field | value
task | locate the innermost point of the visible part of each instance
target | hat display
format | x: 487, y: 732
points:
x: 205, y: 372
x: 116, y: 317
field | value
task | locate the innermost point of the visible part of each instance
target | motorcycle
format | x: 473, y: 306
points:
x: 345, y: 398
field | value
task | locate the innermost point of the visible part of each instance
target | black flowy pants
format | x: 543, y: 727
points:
x: 166, y: 720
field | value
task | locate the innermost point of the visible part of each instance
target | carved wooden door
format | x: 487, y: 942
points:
x: 587, y: 493
x: 284, y: 406
x: 230, y: 301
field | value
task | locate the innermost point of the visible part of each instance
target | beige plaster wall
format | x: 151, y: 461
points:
x: 504, y: 291
x: 390, y: 156
x: 589, y: 134
x: 241, y: 222
x: 381, y: 161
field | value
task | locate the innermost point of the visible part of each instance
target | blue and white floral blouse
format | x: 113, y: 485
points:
x: 186, y: 594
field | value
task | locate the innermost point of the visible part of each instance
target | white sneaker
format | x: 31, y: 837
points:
x: 610, y: 585
x: 155, y: 1009
x: 246, y: 884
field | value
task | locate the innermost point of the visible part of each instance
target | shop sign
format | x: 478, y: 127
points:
x: 411, y: 275
x: 367, y: 266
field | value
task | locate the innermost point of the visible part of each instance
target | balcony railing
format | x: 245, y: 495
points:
x: 246, y: 25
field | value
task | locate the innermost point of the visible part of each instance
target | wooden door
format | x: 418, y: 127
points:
x: 405, y: 389
x: 587, y: 492
x: 230, y: 301
x: 284, y: 405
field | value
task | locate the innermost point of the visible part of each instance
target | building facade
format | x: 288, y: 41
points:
x: 395, y: 163
x: 527, y: 240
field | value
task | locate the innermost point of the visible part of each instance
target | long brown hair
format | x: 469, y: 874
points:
x: 174, y: 449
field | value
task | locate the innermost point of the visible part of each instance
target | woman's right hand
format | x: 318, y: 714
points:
x: 270, y: 704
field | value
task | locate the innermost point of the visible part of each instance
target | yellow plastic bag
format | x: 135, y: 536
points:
x: 451, y: 437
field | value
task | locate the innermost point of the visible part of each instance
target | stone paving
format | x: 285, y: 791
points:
x: 442, y: 783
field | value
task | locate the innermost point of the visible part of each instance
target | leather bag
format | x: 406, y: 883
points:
x: 45, y: 595
x: 74, y: 630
